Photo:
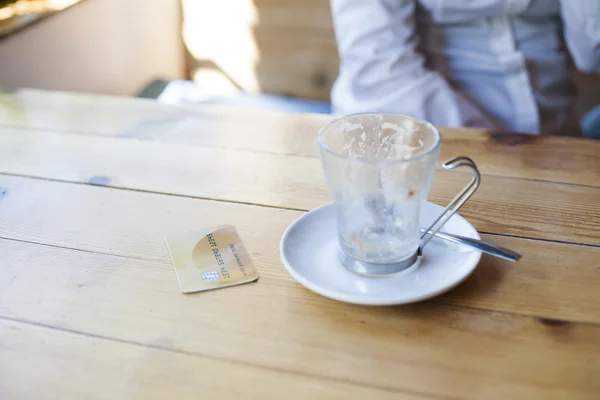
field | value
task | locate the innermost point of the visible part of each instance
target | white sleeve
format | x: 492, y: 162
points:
x: 381, y: 70
x: 581, y: 19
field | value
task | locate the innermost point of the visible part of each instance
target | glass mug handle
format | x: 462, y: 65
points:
x: 458, y: 201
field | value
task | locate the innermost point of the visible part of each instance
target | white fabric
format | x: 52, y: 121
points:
x: 498, y: 64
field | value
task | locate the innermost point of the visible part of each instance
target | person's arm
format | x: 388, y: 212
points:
x: 581, y: 19
x: 381, y: 70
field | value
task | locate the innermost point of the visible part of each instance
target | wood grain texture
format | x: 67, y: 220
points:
x: 290, y: 65
x: 533, y: 209
x: 554, y: 281
x: 308, y: 16
x: 117, y: 370
x: 296, y: 64
x: 87, y: 288
x: 426, y: 348
x: 553, y: 158
x: 266, y: 46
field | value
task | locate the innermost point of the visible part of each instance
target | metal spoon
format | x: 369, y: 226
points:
x: 484, y: 247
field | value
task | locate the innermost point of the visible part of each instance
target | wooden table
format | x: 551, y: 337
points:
x: 90, y: 307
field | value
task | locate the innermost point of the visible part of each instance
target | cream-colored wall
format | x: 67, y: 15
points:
x: 97, y: 46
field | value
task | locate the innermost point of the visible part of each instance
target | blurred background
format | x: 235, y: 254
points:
x: 278, y: 54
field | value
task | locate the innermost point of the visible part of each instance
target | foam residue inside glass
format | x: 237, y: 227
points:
x: 374, y: 140
x: 378, y: 200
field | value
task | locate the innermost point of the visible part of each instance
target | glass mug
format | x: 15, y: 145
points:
x: 379, y: 169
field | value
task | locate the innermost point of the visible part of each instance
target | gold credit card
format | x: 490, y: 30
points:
x: 210, y: 258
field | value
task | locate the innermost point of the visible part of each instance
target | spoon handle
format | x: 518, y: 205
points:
x: 484, y: 247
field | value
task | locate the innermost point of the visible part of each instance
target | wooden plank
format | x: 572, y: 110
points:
x: 554, y: 281
x: 551, y: 158
x: 289, y: 65
x: 297, y: 47
x: 502, y: 205
x: 296, y: 65
x: 275, y: 47
x: 206, y: 125
x: 98, y: 114
x: 274, y: 323
x: 556, y: 159
x: 307, y: 17
x: 38, y: 362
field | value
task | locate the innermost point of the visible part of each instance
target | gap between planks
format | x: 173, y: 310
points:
x: 108, y: 186
x: 210, y: 357
x: 434, y: 300
x: 252, y: 151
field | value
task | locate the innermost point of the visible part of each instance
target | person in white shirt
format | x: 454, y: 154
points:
x: 499, y: 64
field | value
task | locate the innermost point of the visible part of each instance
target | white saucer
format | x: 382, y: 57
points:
x: 310, y: 252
